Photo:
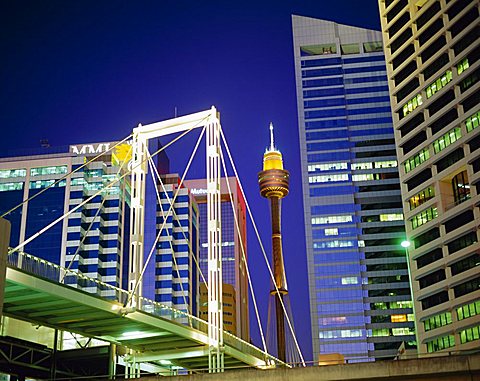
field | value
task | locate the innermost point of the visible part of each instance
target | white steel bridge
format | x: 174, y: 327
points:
x: 156, y: 334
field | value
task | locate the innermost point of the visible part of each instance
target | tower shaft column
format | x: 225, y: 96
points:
x: 279, y: 275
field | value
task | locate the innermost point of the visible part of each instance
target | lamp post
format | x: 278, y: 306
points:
x: 406, y: 244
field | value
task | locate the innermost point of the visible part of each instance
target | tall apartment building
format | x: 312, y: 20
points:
x: 432, y: 50
x: 235, y: 282
x: 92, y: 239
x: 176, y: 274
x: 360, y: 300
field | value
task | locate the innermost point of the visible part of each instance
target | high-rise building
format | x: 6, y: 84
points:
x: 235, y: 282
x: 360, y: 300
x: 432, y: 49
x: 92, y: 239
x: 176, y: 274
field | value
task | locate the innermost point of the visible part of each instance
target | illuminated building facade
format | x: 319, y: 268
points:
x: 91, y: 240
x: 432, y: 50
x: 176, y: 275
x: 360, y: 300
x: 235, y: 282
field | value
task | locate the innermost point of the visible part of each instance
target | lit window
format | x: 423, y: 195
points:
x: 462, y: 66
x: 391, y: 217
x: 472, y: 122
x: 79, y: 181
x: 373, y: 46
x: 332, y: 231
x: 381, y: 332
x: 402, y: 331
x: 332, y: 244
x: 313, y: 50
x: 468, y: 310
x: 361, y: 243
x: 437, y: 321
x: 363, y: 177
x: 350, y: 280
x: 421, y: 197
x: 327, y: 167
x: 12, y: 173
x: 470, y: 334
x: 423, y: 217
x: 356, y: 166
x: 450, y: 137
x: 328, y: 178
x: 331, y: 220
x: 412, y: 104
x: 350, y: 48
x: 386, y: 164
x: 10, y: 187
x: 416, y: 160
x: 439, y: 83
x: 440, y: 343
x: 40, y: 184
x: 398, y: 318
x: 54, y: 170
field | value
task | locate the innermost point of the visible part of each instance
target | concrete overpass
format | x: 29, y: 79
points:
x: 451, y: 368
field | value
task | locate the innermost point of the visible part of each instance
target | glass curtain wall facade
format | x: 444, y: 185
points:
x: 92, y: 239
x: 235, y: 282
x: 432, y: 50
x: 360, y: 298
x: 176, y: 274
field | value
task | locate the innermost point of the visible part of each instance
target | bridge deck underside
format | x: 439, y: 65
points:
x: 155, y: 340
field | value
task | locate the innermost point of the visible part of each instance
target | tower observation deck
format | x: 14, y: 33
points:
x: 274, y: 185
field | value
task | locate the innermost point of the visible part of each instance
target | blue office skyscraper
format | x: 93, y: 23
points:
x: 358, y: 278
x: 176, y: 275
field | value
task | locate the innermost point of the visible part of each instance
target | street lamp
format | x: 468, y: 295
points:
x: 406, y: 244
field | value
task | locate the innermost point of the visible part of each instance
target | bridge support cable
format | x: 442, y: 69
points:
x: 262, y: 248
x: 90, y: 225
x: 165, y: 216
x: 74, y: 209
x: 64, y: 177
x: 135, y: 283
x: 175, y: 216
x: 244, y: 258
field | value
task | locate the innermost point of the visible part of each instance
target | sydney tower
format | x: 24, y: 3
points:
x: 273, y: 181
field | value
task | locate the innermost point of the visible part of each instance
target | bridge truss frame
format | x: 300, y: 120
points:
x: 210, y: 120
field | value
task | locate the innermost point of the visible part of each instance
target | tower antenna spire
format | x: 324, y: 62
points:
x: 272, y: 145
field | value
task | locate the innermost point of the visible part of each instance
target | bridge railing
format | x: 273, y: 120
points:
x: 70, y: 277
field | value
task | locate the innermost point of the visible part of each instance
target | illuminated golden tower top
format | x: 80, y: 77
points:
x: 272, y: 158
x: 273, y: 179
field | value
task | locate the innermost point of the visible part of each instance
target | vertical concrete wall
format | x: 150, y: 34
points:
x: 4, y: 243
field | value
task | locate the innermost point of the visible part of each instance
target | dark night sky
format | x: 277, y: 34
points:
x: 87, y: 71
